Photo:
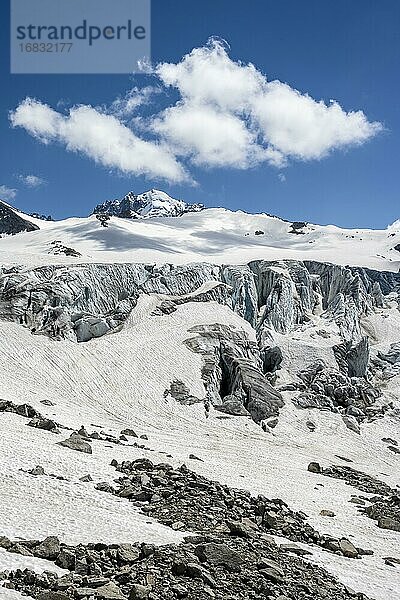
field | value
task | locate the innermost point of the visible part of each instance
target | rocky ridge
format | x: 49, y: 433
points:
x: 153, y: 203
x: 12, y: 223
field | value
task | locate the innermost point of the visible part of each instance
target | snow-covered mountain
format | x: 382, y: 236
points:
x: 199, y: 407
x: 153, y: 203
x: 213, y: 235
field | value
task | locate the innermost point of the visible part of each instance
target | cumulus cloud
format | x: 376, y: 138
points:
x: 32, y: 181
x: 208, y: 135
x: 7, y: 193
x: 276, y: 122
x: 99, y: 136
x: 302, y: 128
x: 228, y: 114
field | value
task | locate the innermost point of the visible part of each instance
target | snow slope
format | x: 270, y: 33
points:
x: 214, y: 235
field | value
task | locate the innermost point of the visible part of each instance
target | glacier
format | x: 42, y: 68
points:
x: 245, y: 357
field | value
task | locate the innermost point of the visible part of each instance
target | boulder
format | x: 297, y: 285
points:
x: 351, y: 423
x: 219, y: 554
x: 314, y: 467
x: 139, y: 592
x: 348, y: 549
x: 271, y: 570
x: 49, y: 548
x: 294, y: 549
x: 38, y: 470
x: 389, y: 523
x: 76, y: 442
x: 43, y: 423
x: 129, y: 432
x: 327, y: 513
x: 128, y: 553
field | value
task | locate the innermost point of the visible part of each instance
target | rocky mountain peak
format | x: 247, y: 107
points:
x: 153, y: 203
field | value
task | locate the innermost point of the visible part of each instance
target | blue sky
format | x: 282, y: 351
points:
x: 346, y: 51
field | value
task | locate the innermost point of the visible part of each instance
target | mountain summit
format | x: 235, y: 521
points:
x: 153, y: 203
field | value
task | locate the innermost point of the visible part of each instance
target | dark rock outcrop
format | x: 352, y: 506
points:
x: 12, y: 223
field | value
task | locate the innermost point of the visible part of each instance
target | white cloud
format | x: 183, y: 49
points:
x: 7, y: 193
x: 282, y: 177
x: 208, y: 76
x: 227, y: 115
x: 276, y: 122
x: 126, y: 106
x: 32, y: 181
x: 299, y: 127
x: 100, y: 136
x: 209, y: 136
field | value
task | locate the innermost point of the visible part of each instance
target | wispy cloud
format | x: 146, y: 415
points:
x: 7, y: 193
x: 32, y: 181
x: 126, y: 106
x: 228, y: 114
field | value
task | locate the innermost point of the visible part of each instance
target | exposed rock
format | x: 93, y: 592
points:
x: 348, y: 548
x: 351, y: 423
x: 297, y: 226
x: 56, y: 247
x: 12, y: 223
x: 128, y: 553
x: 76, y: 442
x: 153, y: 203
x: 314, y: 467
x: 49, y: 548
x: 181, y: 393
x: 38, y: 470
x: 327, y: 513
x: 219, y: 554
x: 129, y: 432
x: 43, y: 423
x: 139, y: 592
x: 389, y: 523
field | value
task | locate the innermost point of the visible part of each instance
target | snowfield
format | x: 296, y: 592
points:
x: 213, y: 235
